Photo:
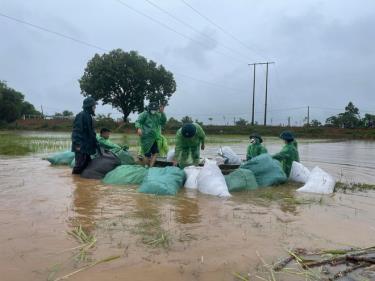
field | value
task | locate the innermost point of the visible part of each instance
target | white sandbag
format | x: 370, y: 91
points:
x: 211, y: 180
x: 220, y: 160
x: 192, y: 173
x: 299, y: 173
x: 170, y: 155
x: 230, y: 156
x: 319, y: 182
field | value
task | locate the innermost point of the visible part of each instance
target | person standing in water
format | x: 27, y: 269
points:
x: 84, y: 142
x: 149, y: 125
x: 288, y: 153
x: 189, y: 141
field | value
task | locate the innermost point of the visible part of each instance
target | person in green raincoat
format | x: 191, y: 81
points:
x: 149, y: 125
x: 105, y: 142
x: 255, y: 147
x: 120, y: 151
x: 189, y: 141
x: 288, y: 153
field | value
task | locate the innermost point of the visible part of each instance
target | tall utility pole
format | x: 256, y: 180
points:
x: 308, y: 116
x: 252, y: 112
x: 265, y: 105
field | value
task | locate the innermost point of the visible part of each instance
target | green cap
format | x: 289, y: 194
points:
x: 287, y: 135
x: 188, y: 130
x: 256, y: 136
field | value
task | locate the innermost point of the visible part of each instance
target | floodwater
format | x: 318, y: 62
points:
x: 188, y: 237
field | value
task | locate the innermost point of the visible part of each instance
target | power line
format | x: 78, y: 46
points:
x: 172, y: 29
x: 221, y: 28
x: 41, y: 28
x: 194, y: 29
x: 211, y: 83
x: 53, y: 32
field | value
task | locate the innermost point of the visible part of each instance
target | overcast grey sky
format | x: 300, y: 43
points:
x: 324, y: 53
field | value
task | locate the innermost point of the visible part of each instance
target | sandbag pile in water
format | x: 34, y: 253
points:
x: 267, y: 170
x: 316, y: 181
x: 101, y: 165
x: 240, y: 180
x: 211, y: 180
x: 126, y: 174
x: 61, y: 158
x: 163, y: 181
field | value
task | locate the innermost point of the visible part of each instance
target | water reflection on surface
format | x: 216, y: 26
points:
x: 39, y: 204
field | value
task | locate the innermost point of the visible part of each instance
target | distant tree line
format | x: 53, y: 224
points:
x: 351, y: 118
x: 13, y: 105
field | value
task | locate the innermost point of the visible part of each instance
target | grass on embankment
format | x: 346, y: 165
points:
x: 301, y: 132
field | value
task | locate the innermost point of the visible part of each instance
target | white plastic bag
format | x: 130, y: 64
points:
x: 170, y: 155
x: 319, y: 182
x: 230, y: 156
x: 299, y: 173
x: 220, y: 160
x: 192, y: 173
x: 211, y: 180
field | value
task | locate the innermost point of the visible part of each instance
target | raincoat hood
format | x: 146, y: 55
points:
x: 88, y: 103
x: 188, y: 130
x: 256, y: 136
x: 286, y: 135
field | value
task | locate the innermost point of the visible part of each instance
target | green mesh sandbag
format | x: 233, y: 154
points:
x: 125, y: 157
x: 267, y: 170
x: 126, y: 174
x: 62, y: 158
x: 163, y: 181
x: 241, y: 179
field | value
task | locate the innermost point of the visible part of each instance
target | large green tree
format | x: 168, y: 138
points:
x: 12, y: 104
x: 125, y: 80
x: 348, y: 119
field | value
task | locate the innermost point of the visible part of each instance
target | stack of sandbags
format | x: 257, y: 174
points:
x: 319, y: 182
x: 267, y: 170
x: 229, y: 155
x: 62, y: 158
x: 240, y: 180
x: 163, y: 181
x: 211, y: 180
x: 126, y: 174
x: 192, y: 173
x: 101, y: 165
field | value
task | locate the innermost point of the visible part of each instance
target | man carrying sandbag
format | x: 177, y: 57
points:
x: 148, y: 125
x: 189, y: 141
x: 288, y: 153
x: 84, y: 141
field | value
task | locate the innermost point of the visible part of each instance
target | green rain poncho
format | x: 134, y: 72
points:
x: 151, y: 125
x: 255, y: 149
x: 287, y: 155
x: 106, y: 143
x: 187, y: 150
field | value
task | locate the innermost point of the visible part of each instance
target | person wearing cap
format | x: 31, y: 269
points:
x: 288, y: 153
x: 189, y: 141
x: 255, y: 147
x: 149, y: 125
x: 84, y: 141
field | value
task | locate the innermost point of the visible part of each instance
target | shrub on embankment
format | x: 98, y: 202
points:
x: 65, y: 125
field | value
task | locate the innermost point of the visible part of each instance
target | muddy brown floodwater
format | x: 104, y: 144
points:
x: 187, y: 237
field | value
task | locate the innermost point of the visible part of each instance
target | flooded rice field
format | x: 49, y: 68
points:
x: 56, y: 226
